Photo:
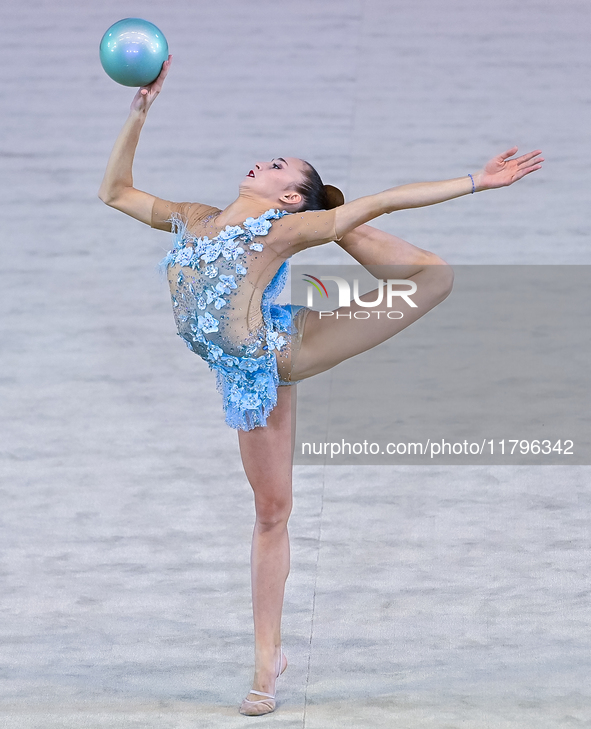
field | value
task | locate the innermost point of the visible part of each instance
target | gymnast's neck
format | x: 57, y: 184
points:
x: 246, y: 206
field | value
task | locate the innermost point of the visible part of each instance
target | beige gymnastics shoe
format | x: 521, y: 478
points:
x: 267, y: 704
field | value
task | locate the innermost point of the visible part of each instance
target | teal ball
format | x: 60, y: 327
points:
x: 132, y: 52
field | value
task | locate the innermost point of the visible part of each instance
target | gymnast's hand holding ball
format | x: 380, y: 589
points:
x: 145, y: 96
x: 134, y: 52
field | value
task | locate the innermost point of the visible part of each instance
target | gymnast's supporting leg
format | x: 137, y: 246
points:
x: 267, y: 459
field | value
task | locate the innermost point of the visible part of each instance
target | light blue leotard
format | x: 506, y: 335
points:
x: 224, y: 306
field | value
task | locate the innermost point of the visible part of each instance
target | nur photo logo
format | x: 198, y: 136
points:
x: 386, y: 293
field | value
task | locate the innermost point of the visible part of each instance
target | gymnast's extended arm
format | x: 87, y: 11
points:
x: 117, y: 188
x: 498, y: 172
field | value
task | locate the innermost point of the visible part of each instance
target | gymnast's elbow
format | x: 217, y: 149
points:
x: 109, y: 198
x: 106, y: 197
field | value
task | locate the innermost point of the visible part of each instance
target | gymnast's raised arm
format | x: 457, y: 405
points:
x: 117, y: 188
x: 498, y: 172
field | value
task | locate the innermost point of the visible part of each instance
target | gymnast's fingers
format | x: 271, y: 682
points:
x: 527, y: 157
x: 508, y: 153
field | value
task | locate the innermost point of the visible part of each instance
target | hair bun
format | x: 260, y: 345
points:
x: 335, y: 196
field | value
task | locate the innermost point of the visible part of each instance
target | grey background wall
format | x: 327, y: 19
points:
x: 419, y: 596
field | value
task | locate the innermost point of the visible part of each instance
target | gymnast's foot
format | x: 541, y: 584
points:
x: 260, y: 702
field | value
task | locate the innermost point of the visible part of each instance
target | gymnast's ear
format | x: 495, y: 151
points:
x: 291, y: 198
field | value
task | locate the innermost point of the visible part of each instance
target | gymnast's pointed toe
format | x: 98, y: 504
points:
x: 260, y: 707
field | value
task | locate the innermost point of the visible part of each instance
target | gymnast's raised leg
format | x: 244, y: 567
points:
x: 328, y: 341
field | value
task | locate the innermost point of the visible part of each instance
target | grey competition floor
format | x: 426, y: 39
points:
x: 423, y: 597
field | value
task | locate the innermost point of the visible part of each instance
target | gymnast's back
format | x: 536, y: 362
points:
x: 223, y: 280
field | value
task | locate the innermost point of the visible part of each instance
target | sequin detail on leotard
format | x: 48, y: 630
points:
x: 207, y: 276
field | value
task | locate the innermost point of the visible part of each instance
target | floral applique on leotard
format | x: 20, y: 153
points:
x: 206, y: 277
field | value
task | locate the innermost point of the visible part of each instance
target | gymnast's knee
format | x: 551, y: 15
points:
x: 442, y: 276
x: 272, y: 513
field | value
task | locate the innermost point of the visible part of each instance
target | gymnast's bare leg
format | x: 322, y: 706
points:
x: 267, y: 459
x: 328, y: 341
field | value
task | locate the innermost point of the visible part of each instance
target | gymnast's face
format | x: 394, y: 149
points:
x: 277, y: 180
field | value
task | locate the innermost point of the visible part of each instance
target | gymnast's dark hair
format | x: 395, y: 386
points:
x: 316, y: 195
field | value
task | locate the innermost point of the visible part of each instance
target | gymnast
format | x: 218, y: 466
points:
x: 225, y: 269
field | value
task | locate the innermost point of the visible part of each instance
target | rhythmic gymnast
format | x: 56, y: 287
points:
x: 225, y: 269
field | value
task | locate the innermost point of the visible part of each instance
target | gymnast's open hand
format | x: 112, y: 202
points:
x: 502, y: 171
x: 145, y: 96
